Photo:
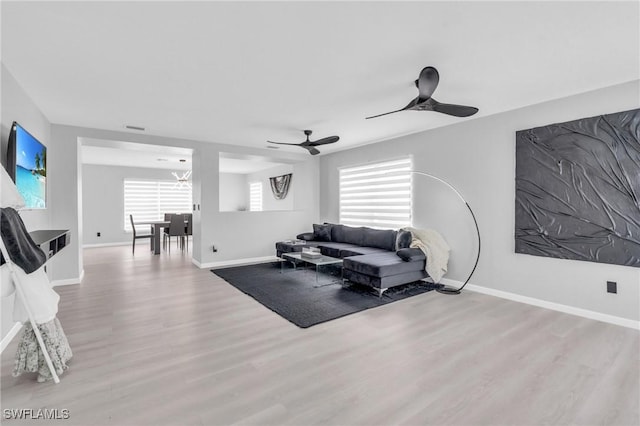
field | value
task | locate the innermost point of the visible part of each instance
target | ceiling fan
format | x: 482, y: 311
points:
x: 426, y: 84
x: 310, y: 145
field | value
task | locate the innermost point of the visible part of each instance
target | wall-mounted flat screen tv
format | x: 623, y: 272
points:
x: 27, y: 161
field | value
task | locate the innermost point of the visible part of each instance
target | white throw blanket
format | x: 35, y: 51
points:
x: 43, y: 300
x: 435, y: 249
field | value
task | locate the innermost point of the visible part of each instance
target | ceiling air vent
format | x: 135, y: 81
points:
x: 141, y: 129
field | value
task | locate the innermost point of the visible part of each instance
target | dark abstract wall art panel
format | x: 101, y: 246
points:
x: 578, y: 189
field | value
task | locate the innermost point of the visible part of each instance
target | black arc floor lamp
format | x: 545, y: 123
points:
x: 446, y: 289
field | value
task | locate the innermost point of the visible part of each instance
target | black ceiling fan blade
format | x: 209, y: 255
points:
x: 410, y: 105
x: 311, y: 150
x: 386, y: 113
x: 451, y: 109
x: 427, y: 82
x: 283, y: 143
x: 324, y: 141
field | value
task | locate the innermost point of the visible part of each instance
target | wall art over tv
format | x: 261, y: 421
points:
x: 578, y: 189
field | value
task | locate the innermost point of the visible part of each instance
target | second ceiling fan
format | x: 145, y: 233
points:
x: 426, y: 83
x: 311, y: 145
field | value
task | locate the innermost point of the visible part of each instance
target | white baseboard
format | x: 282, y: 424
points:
x: 234, y: 262
x: 585, y: 313
x: 69, y: 281
x: 10, y: 335
x: 124, y: 243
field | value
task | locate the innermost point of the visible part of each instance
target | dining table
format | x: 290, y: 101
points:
x: 156, y: 226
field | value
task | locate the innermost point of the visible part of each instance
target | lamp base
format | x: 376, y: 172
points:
x: 448, y: 290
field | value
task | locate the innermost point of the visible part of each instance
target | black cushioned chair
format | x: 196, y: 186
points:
x: 177, y: 229
x: 189, y: 227
x: 135, y: 234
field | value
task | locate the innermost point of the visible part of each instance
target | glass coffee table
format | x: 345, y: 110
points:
x: 317, y: 261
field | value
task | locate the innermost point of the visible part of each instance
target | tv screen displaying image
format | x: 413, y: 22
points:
x: 29, y: 160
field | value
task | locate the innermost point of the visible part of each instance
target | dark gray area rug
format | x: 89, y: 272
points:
x: 296, y: 296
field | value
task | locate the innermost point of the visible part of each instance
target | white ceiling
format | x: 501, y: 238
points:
x: 241, y: 73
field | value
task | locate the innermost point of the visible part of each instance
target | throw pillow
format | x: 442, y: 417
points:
x: 403, y: 239
x: 321, y: 232
x: 411, y: 254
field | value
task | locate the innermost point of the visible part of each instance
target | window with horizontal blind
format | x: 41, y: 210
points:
x: 377, y: 195
x: 255, y: 196
x: 151, y: 199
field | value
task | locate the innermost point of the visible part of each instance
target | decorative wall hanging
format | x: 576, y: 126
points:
x: 578, y: 190
x: 280, y: 186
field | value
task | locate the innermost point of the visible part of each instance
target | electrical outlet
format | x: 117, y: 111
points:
x: 98, y: 234
x: 612, y: 287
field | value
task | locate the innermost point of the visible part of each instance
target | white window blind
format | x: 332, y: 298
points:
x: 255, y: 196
x: 377, y: 195
x: 151, y: 199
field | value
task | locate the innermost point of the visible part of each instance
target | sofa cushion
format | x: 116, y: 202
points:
x: 347, y: 234
x: 322, y: 232
x: 357, y: 251
x: 336, y: 233
x: 411, y: 254
x: 353, y: 235
x: 333, y: 249
x: 381, y: 264
x: 380, y: 238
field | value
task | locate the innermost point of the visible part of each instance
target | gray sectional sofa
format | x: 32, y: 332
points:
x: 378, y: 258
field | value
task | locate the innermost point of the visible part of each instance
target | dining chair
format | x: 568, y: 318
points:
x: 189, y: 226
x: 177, y: 229
x: 165, y: 233
x: 135, y: 234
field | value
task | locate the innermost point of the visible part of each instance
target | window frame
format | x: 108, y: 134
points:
x: 399, y: 213
x: 159, y: 206
x: 252, y: 192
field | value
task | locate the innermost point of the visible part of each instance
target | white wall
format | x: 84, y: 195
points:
x: 253, y: 234
x: 477, y: 156
x: 103, y: 200
x: 269, y: 202
x: 17, y: 106
x: 65, y: 200
x: 233, y: 192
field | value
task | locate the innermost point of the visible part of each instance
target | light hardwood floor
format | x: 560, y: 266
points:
x: 157, y: 341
